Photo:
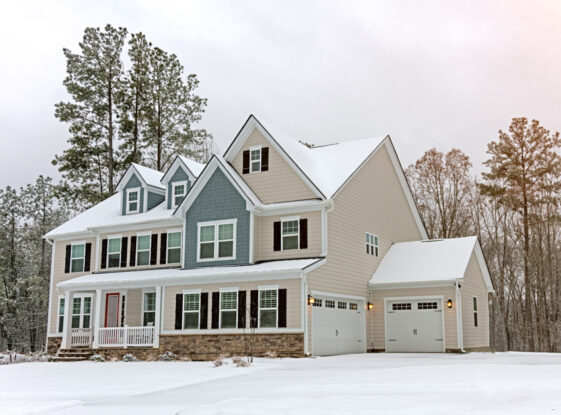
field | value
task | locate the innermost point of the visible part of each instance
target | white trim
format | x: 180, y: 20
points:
x: 83, y: 242
x: 255, y: 148
x: 174, y: 230
x: 139, y: 234
x: 144, y: 292
x: 97, y: 252
x: 173, y: 186
x: 216, y: 240
x: 83, y: 258
x: 251, y: 236
x: 459, y: 319
x: 58, y: 328
x: 268, y: 287
x: 267, y: 330
x: 305, y: 310
x: 178, y: 162
x: 316, y: 293
x: 192, y: 291
x: 51, y: 292
x: 127, y: 202
x: 228, y: 289
x: 288, y: 208
x: 410, y: 298
x: 415, y: 284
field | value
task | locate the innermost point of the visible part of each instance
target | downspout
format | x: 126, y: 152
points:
x: 459, y: 326
x: 50, y: 291
x: 324, y: 217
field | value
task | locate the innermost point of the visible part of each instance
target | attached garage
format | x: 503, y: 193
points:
x: 414, y: 325
x: 338, y: 325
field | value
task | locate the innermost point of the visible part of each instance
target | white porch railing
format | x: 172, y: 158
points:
x: 126, y: 336
x: 81, y: 337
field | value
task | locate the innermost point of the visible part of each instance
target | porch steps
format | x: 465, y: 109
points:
x: 73, y: 355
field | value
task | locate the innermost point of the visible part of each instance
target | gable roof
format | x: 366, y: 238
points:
x: 426, y: 262
x: 149, y: 177
x: 192, y: 168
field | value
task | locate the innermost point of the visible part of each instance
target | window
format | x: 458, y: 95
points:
x: 255, y: 155
x: 60, y: 314
x: 427, y: 306
x: 318, y: 302
x: 329, y: 304
x: 401, y: 306
x: 191, y: 310
x: 217, y: 240
x: 77, y: 257
x: 268, y: 308
x: 341, y: 305
x: 228, y: 309
x: 475, y: 311
x: 81, y: 312
x: 149, y: 309
x: 372, y: 246
x: 179, y: 191
x: 174, y: 247
x: 353, y: 306
x: 290, y: 233
x: 133, y: 201
x: 143, y: 243
x: 114, y: 252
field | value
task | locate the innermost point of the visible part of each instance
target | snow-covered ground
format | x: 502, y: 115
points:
x: 481, y: 383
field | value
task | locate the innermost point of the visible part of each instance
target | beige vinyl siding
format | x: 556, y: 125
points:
x: 265, y: 238
x: 133, y: 307
x: 128, y: 235
x: 293, y: 300
x: 60, y: 276
x: 474, y: 286
x: 280, y: 183
x: 376, y: 331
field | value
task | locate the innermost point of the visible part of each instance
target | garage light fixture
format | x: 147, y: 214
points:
x: 370, y: 306
x: 449, y: 303
x: 311, y: 300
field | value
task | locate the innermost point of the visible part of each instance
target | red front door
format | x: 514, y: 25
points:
x: 112, y: 310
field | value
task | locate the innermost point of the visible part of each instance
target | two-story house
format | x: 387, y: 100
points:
x: 274, y: 246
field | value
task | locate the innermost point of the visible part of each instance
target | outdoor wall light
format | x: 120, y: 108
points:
x: 311, y: 300
x: 370, y: 306
x: 449, y: 303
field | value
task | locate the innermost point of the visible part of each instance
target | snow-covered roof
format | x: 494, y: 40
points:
x: 151, y: 177
x: 261, y: 271
x: 195, y: 167
x: 429, y: 261
x: 106, y: 214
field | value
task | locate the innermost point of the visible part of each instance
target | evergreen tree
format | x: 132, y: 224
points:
x: 95, y: 83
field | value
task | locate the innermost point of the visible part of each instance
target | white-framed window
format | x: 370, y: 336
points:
x: 77, y: 256
x: 228, y: 309
x: 143, y: 246
x: 60, y: 320
x: 216, y: 240
x: 475, y: 322
x: 268, y: 307
x: 174, y: 246
x: 191, y: 310
x: 114, y: 251
x: 372, y: 246
x: 81, y: 311
x: 178, y: 190
x: 149, y: 308
x: 133, y: 200
x: 255, y: 159
x: 290, y: 233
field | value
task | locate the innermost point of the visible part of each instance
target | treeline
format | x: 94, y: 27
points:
x: 514, y: 209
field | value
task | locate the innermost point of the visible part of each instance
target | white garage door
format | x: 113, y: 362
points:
x: 337, y: 326
x: 414, y: 325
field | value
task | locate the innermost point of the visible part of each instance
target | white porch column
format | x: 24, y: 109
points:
x: 157, y: 317
x: 67, y: 324
x: 97, y: 317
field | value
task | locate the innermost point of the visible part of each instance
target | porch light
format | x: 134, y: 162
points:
x: 311, y: 300
x: 370, y: 306
x: 449, y: 303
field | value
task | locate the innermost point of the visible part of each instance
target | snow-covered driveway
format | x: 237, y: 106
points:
x: 482, y: 383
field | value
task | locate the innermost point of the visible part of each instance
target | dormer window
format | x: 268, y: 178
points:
x: 179, y: 190
x: 255, y: 154
x: 133, y: 201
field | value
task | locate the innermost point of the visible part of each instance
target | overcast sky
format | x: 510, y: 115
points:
x: 438, y: 74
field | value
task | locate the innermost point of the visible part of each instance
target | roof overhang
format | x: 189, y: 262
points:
x: 171, y: 171
x: 286, y: 208
x: 128, y: 174
x: 415, y: 284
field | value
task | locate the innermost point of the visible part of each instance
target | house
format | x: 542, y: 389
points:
x: 274, y: 246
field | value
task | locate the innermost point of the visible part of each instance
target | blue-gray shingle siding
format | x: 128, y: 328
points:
x: 154, y: 199
x: 179, y: 176
x: 131, y: 184
x: 218, y: 200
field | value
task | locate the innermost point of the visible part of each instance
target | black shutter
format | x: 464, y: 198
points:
x: 67, y: 259
x: 178, y: 311
x: 282, y: 307
x: 204, y: 311
x: 104, y: 254
x: 254, y: 309
x: 132, y: 259
x: 241, y: 309
x: 88, y: 258
x: 124, y: 244
x: 154, y: 250
x: 163, y: 247
x: 265, y: 159
x: 245, y: 168
x: 303, y: 233
x: 215, y: 309
x: 276, y: 236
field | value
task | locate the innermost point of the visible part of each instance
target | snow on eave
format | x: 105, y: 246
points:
x: 150, y: 178
x: 193, y: 168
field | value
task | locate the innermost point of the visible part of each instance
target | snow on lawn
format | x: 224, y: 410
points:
x: 482, y: 383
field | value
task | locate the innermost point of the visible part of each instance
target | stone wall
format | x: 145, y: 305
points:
x: 53, y: 344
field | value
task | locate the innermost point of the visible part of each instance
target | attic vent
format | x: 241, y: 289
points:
x: 433, y: 240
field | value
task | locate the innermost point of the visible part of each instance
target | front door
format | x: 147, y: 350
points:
x: 112, y: 310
